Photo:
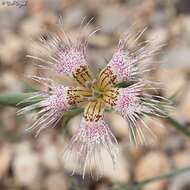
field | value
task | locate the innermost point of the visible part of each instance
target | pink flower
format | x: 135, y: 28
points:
x: 97, y: 94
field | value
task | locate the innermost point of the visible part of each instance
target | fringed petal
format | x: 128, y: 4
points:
x: 65, y: 56
x: 71, y: 59
x: 84, y: 150
x: 51, y: 106
x: 128, y: 63
x: 133, y: 104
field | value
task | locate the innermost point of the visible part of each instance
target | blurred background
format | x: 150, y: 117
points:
x: 36, y: 163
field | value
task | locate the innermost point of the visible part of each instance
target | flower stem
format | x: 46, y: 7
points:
x: 12, y: 99
x: 138, y: 185
x: 181, y: 128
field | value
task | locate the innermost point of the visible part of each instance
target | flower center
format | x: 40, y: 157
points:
x: 92, y: 89
x: 95, y: 89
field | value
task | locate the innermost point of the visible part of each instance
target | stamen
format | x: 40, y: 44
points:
x: 95, y: 94
x: 88, y: 84
x: 94, y: 81
x: 87, y: 99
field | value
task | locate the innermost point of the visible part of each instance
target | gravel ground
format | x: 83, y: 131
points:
x: 33, y: 163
